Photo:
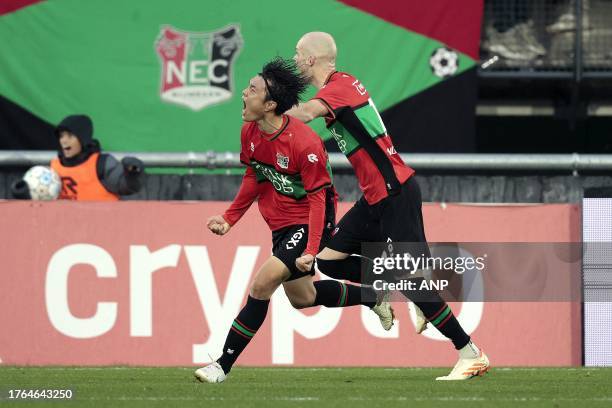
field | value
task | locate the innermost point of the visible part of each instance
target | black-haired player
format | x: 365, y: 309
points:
x: 288, y: 173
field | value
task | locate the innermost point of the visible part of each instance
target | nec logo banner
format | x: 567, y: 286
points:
x: 196, y: 67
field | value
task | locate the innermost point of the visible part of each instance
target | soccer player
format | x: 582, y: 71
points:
x: 288, y: 172
x: 390, y: 208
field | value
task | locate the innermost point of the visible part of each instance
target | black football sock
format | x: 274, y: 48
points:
x: 439, y: 314
x: 331, y: 293
x: 244, y: 327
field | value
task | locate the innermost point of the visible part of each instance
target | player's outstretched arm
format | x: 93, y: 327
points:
x: 308, y: 111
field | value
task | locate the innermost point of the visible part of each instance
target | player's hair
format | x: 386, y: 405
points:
x: 284, y: 84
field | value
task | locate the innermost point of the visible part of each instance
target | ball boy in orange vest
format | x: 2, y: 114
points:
x: 88, y: 174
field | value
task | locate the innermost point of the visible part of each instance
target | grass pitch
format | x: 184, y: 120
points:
x: 308, y: 387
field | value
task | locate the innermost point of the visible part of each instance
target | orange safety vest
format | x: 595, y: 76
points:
x: 81, y: 182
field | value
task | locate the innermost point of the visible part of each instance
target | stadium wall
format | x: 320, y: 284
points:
x: 143, y: 283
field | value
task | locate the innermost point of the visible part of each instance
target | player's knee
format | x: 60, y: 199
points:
x: 261, y: 289
x: 299, y: 303
x: 304, y: 301
x: 302, y: 296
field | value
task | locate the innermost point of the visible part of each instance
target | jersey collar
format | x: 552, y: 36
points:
x: 271, y: 136
x: 331, y: 74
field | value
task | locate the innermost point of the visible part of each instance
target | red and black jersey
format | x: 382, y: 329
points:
x: 357, y: 127
x: 289, y: 173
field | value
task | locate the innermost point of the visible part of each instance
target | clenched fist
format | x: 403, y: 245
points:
x: 218, y: 225
x: 304, y: 263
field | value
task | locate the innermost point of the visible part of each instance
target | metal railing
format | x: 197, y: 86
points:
x: 420, y: 161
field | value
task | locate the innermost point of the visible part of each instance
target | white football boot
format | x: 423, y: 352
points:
x: 384, y: 311
x: 212, y: 373
x: 421, y: 322
x: 469, y: 367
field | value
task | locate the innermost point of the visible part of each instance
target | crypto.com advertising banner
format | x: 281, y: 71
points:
x: 143, y: 283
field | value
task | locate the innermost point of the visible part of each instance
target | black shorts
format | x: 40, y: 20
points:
x: 396, y: 218
x: 289, y: 243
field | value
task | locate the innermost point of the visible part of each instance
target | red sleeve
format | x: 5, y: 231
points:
x: 244, y: 145
x: 243, y: 200
x: 248, y: 189
x: 316, y: 177
x: 344, y: 90
x: 316, y: 221
x: 331, y: 97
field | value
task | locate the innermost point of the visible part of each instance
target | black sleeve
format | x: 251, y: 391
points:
x: 100, y: 165
x: 116, y: 176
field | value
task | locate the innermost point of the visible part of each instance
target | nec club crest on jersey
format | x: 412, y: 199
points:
x: 282, y: 161
x: 196, y: 67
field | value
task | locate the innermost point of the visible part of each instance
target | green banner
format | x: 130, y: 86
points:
x: 167, y: 76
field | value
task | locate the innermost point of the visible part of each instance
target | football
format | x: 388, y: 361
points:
x: 444, y: 62
x: 43, y: 182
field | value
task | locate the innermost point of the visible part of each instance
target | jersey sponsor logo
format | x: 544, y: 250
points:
x: 313, y: 158
x: 196, y: 67
x: 282, y: 183
x: 295, y: 239
x: 339, y: 139
x: 282, y: 161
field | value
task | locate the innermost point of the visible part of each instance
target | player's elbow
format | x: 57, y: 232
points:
x: 307, y: 116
